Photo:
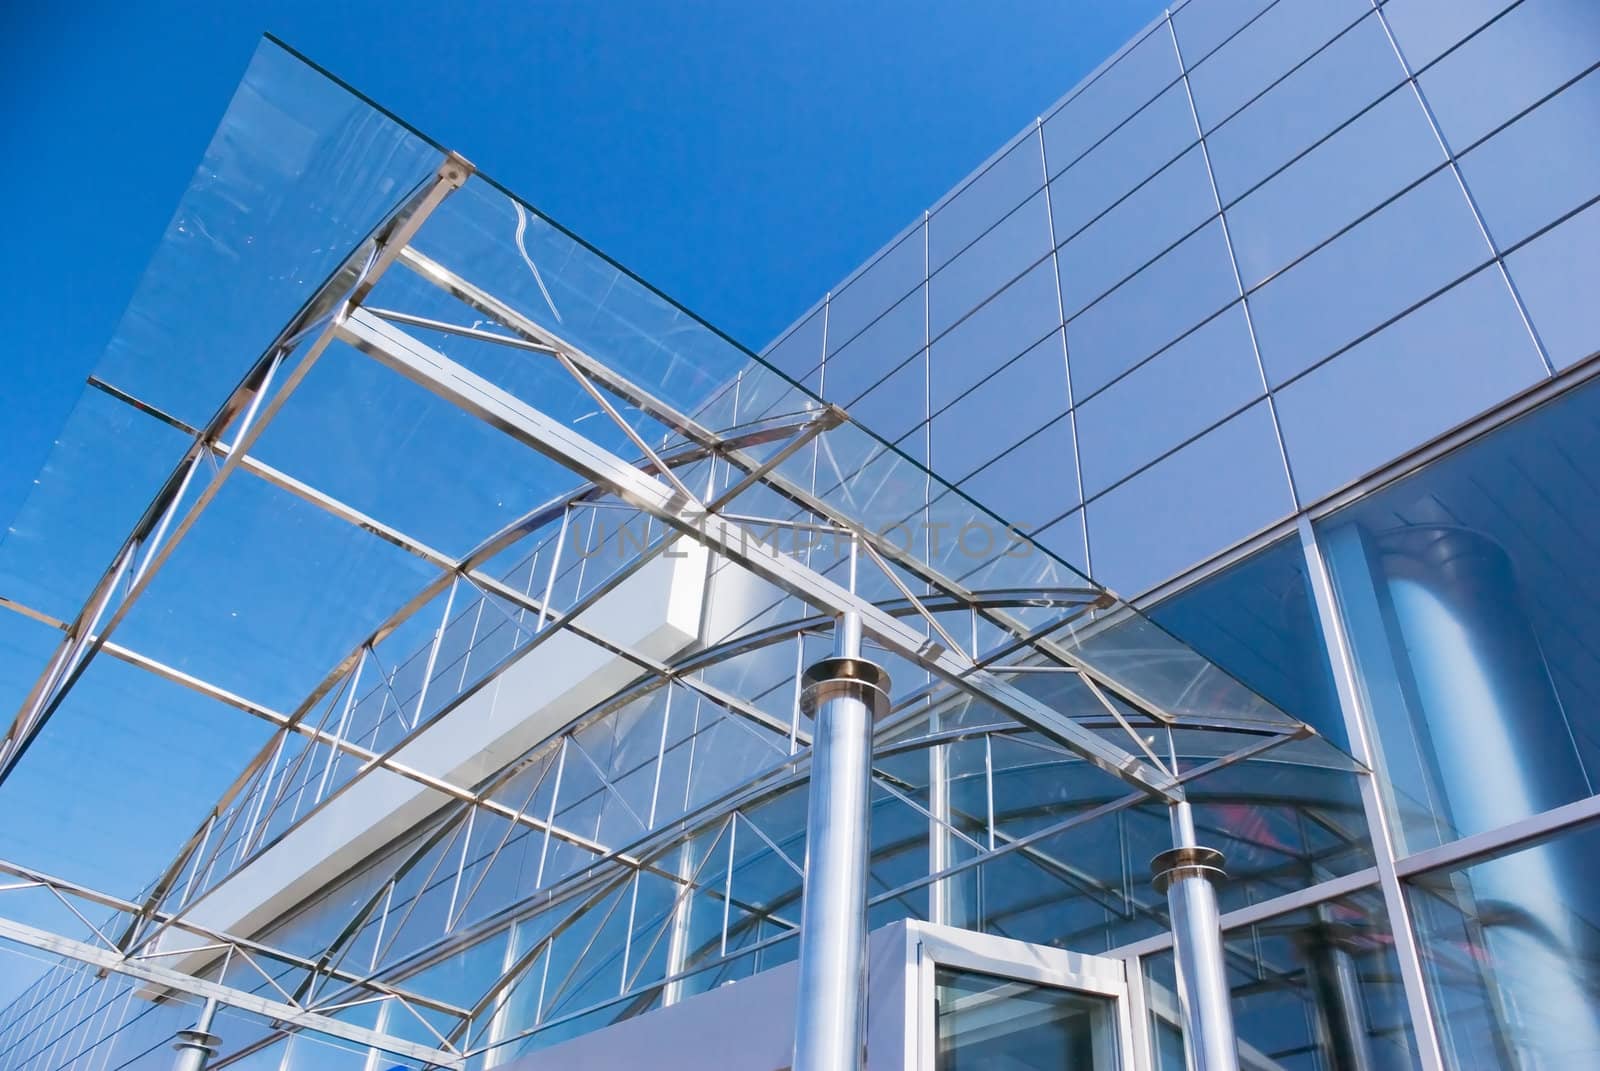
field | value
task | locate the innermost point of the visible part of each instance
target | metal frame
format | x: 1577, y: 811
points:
x: 911, y: 629
x: 929, y: 947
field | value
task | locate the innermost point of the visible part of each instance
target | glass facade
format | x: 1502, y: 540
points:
x: 1280, y: 324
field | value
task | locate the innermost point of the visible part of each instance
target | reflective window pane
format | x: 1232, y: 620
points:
x: 1005, y: 408
x: 1318, y: 988
x: 1148, y: 66
x: 1468, y: 597
x: 876, y: 351
x: 1187, y: 285
x: 1369, y: 160
x: 989, y: 264
x: 1185, y: 389
x: 879, y: 287
x: 1203, y: 25
x: 1265, y: 51
x: 1543, y: 165
x: 1140, y: 228
x: 1158, y: 134
x: 1510, y: 948
x: 1065, y: 539
x: 1419, y: 242
x: 1334, y: 85
x: 1003, y: 327
x: 1555, y: 275
x: 1204, y: 498
x: 1256, y: 620
x: 1459, y: 354
x: 1035, y: 481
x: 1532, y: 49
x: 987, y: 199
x: 1425, y: 29
x: 799, y: 351
x: 897, y: 404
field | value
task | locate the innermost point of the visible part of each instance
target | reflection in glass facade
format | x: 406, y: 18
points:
x: 1280, y: 324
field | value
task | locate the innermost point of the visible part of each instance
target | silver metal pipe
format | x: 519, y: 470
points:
x: 197, y: 1044
x: 844, y: 694
x: 1186, y: 874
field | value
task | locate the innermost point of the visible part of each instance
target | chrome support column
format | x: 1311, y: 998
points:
x: 844, y: 694
x: 1186, y: 874
x: 197, y: 1044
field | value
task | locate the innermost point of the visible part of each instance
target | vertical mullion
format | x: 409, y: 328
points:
x: 1357, y: 726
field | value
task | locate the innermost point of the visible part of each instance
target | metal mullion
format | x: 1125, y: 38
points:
x: 511, y: 828
x: 605, y: 782
x: 689, y: 886
x: 461, y: 868
x: 344, y: 722
x: 1357, y: 726
x: 661, y: 754
x: 577, y: 960
x: 433, y: 650
x: 627, y: 429
x: 460, y: 823
x: 555, y: 802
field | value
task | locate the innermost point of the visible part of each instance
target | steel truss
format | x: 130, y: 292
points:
x: 916, y: 627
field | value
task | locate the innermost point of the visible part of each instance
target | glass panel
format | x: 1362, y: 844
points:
x: 1469, y: 603
x: 799, y: 351
x: 105, y: 466
x: 1355, y: 170
x: 877, y: 350
x: 1179, y: 393
x: 1153, y: 218
x: 1545, y: 164
x: 898, y: 404
x: 1204, y: 25
x: 1065, y: 539
x: 1204, y: 498
x: 1533, y: 49
x: 1354, y: 70
x: 1377, y: 269
x: 989, y: 264
x: 1458, y: 355
x: 1425, y: 29
x: 267, y: 593
x: 878, y: 287
x: 1264, y: 51
x: 1005, y: 326
x: 1157, y: 134
x: 299, y: 171
x: 1004, y: 409
x: 1187, y: 285
x: 1554, y: 274
x: 1032, y: 482
x: 1318, y: 988
x: 1509, y: 947
x: 987, y: 1023
x: 988, y: 198
x: 1256, y: 620
x: 1106, y: 101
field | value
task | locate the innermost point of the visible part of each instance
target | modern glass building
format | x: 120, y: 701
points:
x: 406, y: 637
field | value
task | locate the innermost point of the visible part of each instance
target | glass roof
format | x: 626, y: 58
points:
x: 373, y: 428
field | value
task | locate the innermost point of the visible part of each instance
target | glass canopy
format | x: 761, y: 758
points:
x: 378, y: 453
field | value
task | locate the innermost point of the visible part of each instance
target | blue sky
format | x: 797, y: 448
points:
x: 743, y: 157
